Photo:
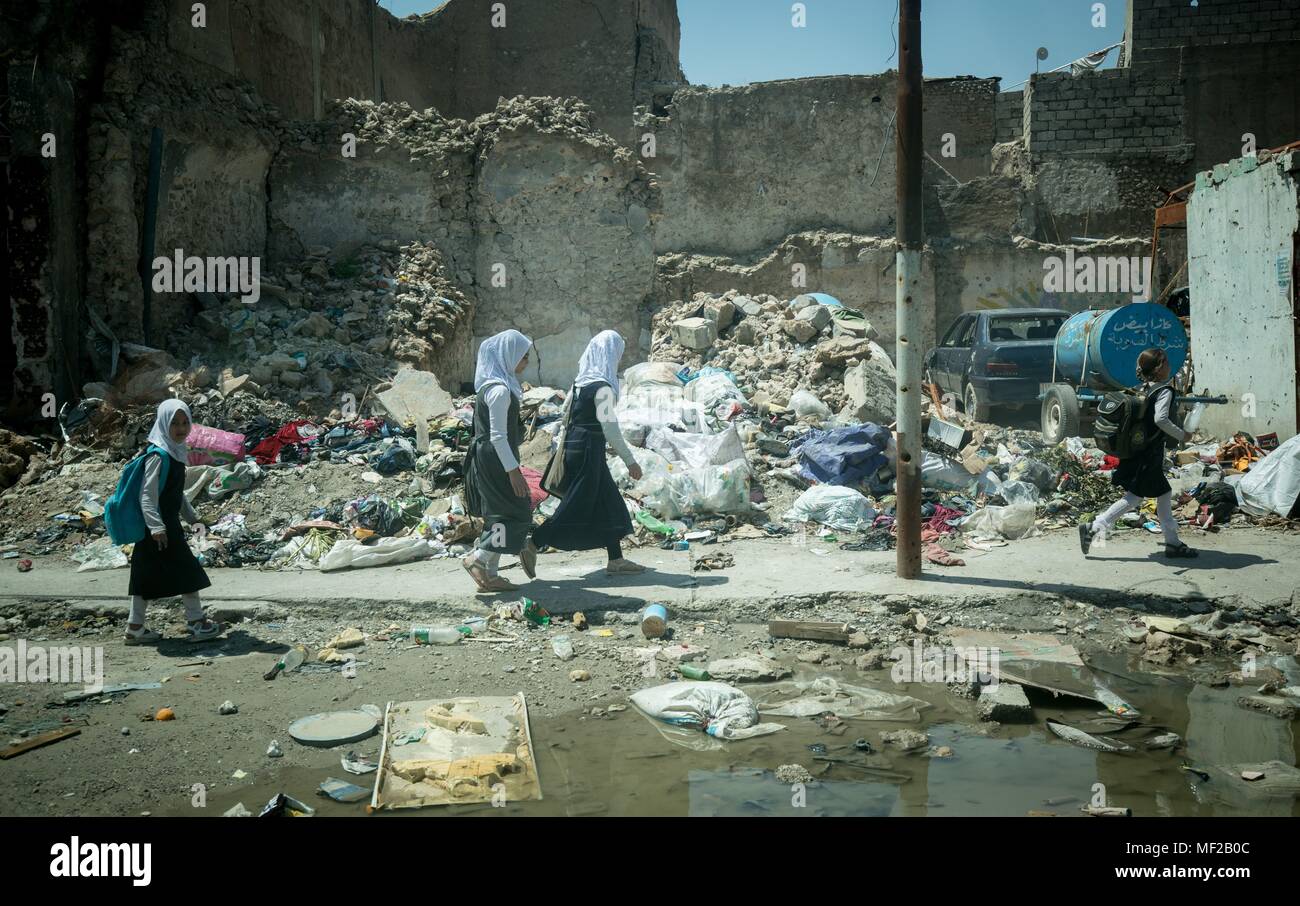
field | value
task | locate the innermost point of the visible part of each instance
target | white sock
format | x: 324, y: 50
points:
x: 193, y: 607
x: 138, y: 606
x: 1165, y: 510
x: 1103, y: 522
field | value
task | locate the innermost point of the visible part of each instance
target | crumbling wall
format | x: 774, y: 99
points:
x: 959, y: 118
x: 543, y: 220
x: 611, y: 54
x: 1243, y: 227
x: 742, y: 168
x: 1158, y: 24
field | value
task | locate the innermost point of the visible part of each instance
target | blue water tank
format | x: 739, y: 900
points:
x: 1111, y: 342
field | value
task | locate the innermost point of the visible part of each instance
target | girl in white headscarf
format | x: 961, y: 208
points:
x: 592, y: 513
x: 162, y: 565
x: 495, y: 488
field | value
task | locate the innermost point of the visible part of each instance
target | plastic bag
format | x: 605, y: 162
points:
x: 211, y: 445
x: 711, y: 390
x: 805, y: 699
x: 1193, y: 420
x: 1040, y: 475
x: 1016, y: 492
x: 349, y: 554
x: 709, y: 489
x: 101, y: 554
x: 838, y: 507
x: 228, y: 481
x: 943, y: 473
x: 696, y: 450
x: 1010, y: 522
x: 680, y: 710
x: 1272, y: 484
x: 650, y: 373
x: 806, y: 405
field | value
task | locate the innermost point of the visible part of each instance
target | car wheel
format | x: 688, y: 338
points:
x: 975, y: 408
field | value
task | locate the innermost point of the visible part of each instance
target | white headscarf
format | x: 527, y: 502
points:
x: 161, y: 434
x: 599, y: 362
x: 498, y: 357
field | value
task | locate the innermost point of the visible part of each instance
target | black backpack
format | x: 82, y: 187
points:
x: 1121, y: 425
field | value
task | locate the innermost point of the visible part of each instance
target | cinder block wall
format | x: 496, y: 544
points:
x: 1009, y: 116
x: 1115, y: 109
x: 1160, y: 24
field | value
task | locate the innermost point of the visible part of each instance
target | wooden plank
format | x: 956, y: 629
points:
x: 37, y: 741
x: 809, y: 630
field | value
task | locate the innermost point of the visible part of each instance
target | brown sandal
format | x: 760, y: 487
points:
x: 477, y: 573
x: 499, y: 583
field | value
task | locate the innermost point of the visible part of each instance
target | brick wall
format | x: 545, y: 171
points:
x: 1009, y: 116
x: 1113, y: 110
x: 1157, y: 24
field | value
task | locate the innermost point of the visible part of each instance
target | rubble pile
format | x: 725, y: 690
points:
x: 340, y: 317
x: 427, y: 133
x: 776, y: 347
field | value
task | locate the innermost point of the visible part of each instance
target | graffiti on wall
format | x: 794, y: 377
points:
x: 1031, y: 294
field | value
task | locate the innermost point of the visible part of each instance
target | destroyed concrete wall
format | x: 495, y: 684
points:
x: 1154, y: 25
x: 544, y: 221
x: 613, y: 55
x: 742, y: 168
x: 1243, y: 236
x: 959, y: 125
x: 1009, y: 117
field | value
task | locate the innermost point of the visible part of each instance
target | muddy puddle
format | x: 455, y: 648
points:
x: 621, y: 765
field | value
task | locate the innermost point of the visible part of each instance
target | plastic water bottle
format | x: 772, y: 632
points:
x: 562, y: 647
x: 435, y: 635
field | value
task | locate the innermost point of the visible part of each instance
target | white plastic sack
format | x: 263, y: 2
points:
x: 709, y: 489
x: 697, y: 450
x: 664, y: 373
x: 804, y: 699
x: 1273, y: 484
x: 348, y: 553
x: 806, y: 405
x: 943, y: 473
x: 711, y: 390
x: 838, y: 507
x: 721, y: 711
x: 652, y: 406
x: 1010, y: 522
x: 101, y: 554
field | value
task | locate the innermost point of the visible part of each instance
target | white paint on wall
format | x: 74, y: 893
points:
x: 1242, y: 221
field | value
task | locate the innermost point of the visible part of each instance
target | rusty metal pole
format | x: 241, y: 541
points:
x: 907, y: 316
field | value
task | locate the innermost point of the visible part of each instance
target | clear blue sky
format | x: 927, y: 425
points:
x: 737, y: 41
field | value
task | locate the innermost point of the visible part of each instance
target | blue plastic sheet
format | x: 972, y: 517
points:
x: 842, y: 456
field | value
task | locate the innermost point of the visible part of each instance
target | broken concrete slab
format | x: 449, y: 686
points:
x: 870, y: 387
x: 1005, y: 703
x: 415, y: 395
x: 817, y: 315
x: 695, y: 333
x: 1272, y: 705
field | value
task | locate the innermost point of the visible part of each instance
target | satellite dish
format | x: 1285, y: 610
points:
x: 1042, y: 53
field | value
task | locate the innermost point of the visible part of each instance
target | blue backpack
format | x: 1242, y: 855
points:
x: 123, y: 516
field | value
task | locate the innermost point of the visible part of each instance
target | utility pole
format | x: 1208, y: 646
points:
x: 907, y: 319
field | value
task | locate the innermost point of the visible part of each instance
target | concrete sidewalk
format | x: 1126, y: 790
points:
x: 1236, y: 566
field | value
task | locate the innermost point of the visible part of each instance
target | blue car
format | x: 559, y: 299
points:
x: 995, y: 358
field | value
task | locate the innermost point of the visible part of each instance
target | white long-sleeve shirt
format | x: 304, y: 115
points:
x: 609, y: 425
x: 1163, y: 403
x: 149, y: 495
x: 497, y: 398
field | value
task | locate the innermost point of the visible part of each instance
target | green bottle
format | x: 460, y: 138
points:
x: 691, y: 672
